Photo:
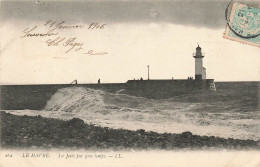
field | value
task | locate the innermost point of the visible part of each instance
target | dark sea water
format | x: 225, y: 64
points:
x: 230, y: 112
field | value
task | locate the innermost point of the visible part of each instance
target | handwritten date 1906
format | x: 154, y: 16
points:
x: 62, y: 25
x: 96, y: 26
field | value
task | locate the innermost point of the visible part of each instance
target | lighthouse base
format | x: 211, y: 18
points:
x: 198, y: 77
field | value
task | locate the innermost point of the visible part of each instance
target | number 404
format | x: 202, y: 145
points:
x: 8, y: 155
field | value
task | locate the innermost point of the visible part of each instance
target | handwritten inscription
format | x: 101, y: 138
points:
x: 54, y: 32
x: 55, y: 42
x: 61, y: 25
x: 70, y: 43
x: 96, y: 26
x: 91, y: 52
x: 30, y: 32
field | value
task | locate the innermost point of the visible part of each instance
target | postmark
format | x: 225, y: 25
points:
x: 243, y: 25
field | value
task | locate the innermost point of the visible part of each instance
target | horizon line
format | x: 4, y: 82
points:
x: 3, y: 84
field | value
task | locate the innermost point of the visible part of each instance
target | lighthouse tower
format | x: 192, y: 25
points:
x: 200, y: 71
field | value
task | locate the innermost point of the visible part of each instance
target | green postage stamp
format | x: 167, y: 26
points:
x: 243, y: 24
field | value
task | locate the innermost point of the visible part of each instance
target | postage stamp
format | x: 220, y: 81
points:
x: 243, y: 25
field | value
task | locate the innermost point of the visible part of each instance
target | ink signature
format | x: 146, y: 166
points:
x: 71, y: 43
x: 91, y: 52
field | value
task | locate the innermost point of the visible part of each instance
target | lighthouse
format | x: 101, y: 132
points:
x: 200, y: 71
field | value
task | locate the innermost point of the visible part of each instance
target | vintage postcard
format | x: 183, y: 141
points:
x: 129, y: 83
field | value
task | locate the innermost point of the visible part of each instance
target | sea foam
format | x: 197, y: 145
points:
x: 129, y: 112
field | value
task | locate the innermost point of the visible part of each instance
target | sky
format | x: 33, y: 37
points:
x: 161, y: 34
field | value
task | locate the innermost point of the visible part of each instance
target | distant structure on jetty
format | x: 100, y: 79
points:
x: 178, y: 86
x: 165, y: 88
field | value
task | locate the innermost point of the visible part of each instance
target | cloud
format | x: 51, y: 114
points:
x: 208, y: 14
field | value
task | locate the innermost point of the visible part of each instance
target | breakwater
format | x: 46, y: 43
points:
x: 35, y: 97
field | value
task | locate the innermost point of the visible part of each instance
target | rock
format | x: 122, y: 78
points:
x: 141, y: 131
x: 39, y: 116
x: 186, y: 134
x: 75, y: 122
